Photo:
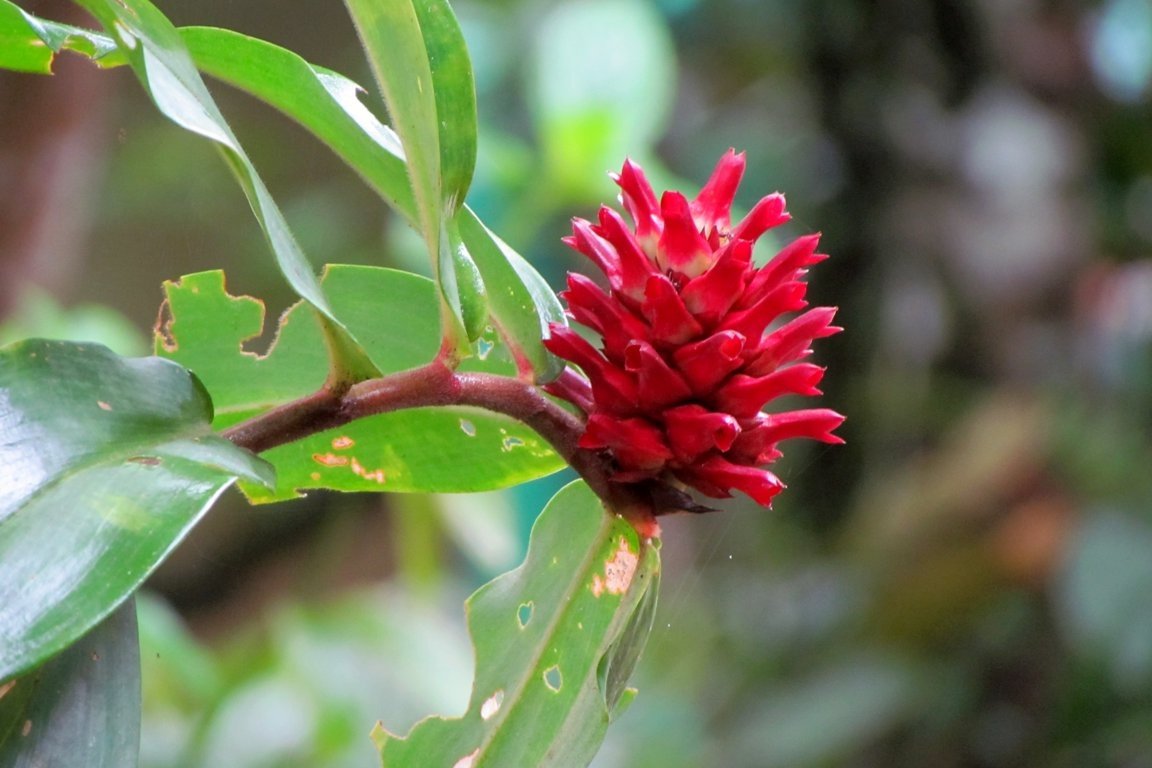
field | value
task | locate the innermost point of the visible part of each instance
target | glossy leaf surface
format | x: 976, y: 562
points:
x: 519, y: 301
x: 82, y: 706
x: 555, y: 640
x: 424, y: 449
x: 105, y: 465
x: 324, y: 102
x: 29, y: 44
x: 159, y: 58
x: 421, y: 63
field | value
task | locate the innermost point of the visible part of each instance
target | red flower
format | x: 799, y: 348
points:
x: 688, y: 360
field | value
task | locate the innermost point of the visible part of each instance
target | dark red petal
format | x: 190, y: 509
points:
x: 602, y: 253
x: 613, y: 321
x: 784, y: 267
x: 767, y: 213
x: 693, y: 430
x: 755, y: 444
x: 640, y: 200
x: 705, y: 363
x: 791, y: 341
x: 744, y: 396
x: 717, y: 472
x: 573, y: 387
x: 752, y: 321
x: 665, y: 310
x: 712, y: 294
x: 814, y: 423
x: 682, y: 248
x: 613, y: 389
x: 712, y: 207
x: 658, y: 385
x: 635, y: 266
x: 635, y: 443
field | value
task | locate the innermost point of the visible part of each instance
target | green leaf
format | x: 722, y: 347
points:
x: 420, y: 61
x: 84, y: 701
x: 390, y: 33
x: 461, y: 282
x: 455, y: 89
x: 21, y: 48
x: 159, y: 58
x: 323, y: 101
x: 554, y: 641
x: 105, y: 464
x: 425, y: 449
x: 29, y: 44
x: 520, y: 302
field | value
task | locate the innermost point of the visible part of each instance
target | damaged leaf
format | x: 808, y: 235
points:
x: 555, y: 641
x: 423, y: 449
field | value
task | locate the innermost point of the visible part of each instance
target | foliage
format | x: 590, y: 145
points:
x: 962, y: 584
x: 120, y: 454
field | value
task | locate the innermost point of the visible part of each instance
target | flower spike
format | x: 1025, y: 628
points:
x: 688, y: 356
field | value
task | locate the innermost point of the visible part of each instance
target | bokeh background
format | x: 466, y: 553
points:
x: 966, y: 583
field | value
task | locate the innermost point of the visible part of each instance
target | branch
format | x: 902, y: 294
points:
x: 435, y: 384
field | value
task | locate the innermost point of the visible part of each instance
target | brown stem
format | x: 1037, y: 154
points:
x: 435, y: 384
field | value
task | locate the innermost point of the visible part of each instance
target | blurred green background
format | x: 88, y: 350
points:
x: 966, y: 583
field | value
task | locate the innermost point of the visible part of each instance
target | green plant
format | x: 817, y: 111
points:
x: 381, y: 380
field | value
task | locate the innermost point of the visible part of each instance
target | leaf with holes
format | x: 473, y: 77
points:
x: 326, y: 103
x: 105, y: 464
x: 84, y: 701
x: 520, y: 302
x: 555, y: 640
x: 30, y: 44
x: 162, y: 63
x: 423, y: 449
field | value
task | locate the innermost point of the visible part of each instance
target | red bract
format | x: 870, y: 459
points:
x: 689, y: 356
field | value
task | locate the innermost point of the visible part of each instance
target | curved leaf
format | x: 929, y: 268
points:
x: 421, y: 63
x: 426, y: 449
x: 461, y: 282
x: 105, y: 464
x: 84, y: 701
x: 29, y: 44
x: 519, y: 300
x: 390, y: 32
x: 455, y: 89
x: 159, y: 58
x: 522, y: 304
x: 554, y: 639
x: 323, y: 101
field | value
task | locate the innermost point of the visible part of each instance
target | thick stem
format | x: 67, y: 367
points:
x: 435, y: 384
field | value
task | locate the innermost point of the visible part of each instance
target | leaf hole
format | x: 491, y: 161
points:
x: 468, y: 760
x: 491, y: 705
x: 553, y: 679
x: 163, y: 328
x: 261, y: 345
x: 484, y: 348
x: 509, y: 442
x: 524, y: 613
x: 467, y: 427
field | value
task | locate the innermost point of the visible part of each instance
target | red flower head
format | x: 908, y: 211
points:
x: 687, y: 361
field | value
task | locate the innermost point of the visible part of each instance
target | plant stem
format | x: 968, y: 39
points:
x: 434, y: 384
